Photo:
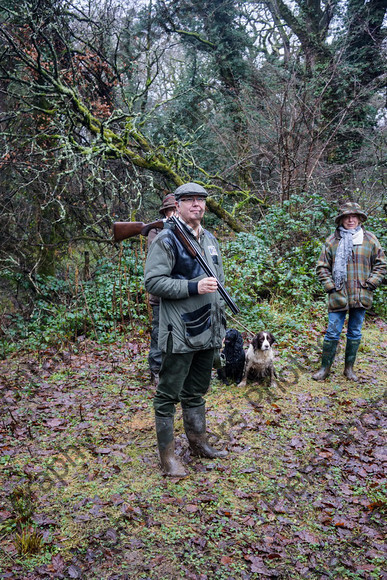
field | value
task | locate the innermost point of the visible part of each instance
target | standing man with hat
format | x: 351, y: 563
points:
x: 351, y: 266
x: 192, y: 327
x: 167, y: 209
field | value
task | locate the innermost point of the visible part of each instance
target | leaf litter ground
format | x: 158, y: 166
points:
x: 300, y: 494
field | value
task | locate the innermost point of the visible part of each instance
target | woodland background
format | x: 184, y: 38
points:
x: 278, y: 109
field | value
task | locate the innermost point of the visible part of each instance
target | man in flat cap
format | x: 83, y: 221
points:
x: 191, y: 328
x: 351, y: 266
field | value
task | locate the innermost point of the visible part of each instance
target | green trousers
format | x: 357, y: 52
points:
x: 184, y: 378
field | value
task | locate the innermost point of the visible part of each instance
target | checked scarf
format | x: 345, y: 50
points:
x: 343, y: 255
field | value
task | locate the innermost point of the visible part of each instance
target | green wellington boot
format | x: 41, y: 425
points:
x: 327, y: 358
x: 194, y: 419
x: 350, y: 357
x: 170, y: 464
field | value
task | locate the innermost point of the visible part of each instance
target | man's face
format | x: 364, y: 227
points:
x: 351, y: 221
x: 169, y: 212
x: 191, y: 209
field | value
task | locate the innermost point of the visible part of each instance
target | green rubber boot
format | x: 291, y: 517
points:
x: 194, y: 419
x: 327, y: 358
x: 170, y: 464
x: 351, y: 349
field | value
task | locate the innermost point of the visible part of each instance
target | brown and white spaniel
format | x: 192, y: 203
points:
x: 259, y: 362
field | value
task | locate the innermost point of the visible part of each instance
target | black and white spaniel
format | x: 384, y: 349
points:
x: 234, y: 356
x: 259, y: 359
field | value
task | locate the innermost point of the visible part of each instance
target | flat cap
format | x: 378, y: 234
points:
x: 190, y: 189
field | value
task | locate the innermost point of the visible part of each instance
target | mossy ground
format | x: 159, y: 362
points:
x: 300, y: 494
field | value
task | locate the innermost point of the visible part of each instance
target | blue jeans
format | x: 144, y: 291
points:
x: 336, y: 323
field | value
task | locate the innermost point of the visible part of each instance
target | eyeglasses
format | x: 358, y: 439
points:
x: 192, y: 200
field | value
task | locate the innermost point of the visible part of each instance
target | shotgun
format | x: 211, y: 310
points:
x: 124, y: 230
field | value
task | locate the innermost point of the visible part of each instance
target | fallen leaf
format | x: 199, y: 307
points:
x: 248, y: 521
x: 325, y: 454
x: 111, y: 534
x: 43, y: 520
x: 342, y: 523
x: 54, y: 422
x: 82, y: 518
x: 308, y: 537
x: 380, y: 454
x: 376, y: 504
x: 103, y: 450
x: 280, y: 507
x: 191, y: 508
x: 74, y: 571
x: 258, y: 566
x: 297, y: 442
x: 57, y: 564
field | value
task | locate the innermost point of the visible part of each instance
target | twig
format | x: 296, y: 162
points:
x: 13, y: 418
x: 7, y: 554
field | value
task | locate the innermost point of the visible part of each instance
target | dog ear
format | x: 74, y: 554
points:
x: 255, y: 342
x: 272, y: 338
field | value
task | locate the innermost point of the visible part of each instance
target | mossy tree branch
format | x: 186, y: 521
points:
x: 50, y: 78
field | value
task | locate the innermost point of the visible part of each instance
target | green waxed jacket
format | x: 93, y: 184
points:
x: 365, y: 272
x: 193, y: 321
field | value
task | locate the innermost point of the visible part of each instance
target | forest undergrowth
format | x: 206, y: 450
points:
x: 300, y: 494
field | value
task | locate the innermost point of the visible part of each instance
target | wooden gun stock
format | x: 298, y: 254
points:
x: 124, y: 230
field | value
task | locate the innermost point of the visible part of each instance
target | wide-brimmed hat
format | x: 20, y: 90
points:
x: 169, y: 202
x: 351, y: 208
x: 190, y: 189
